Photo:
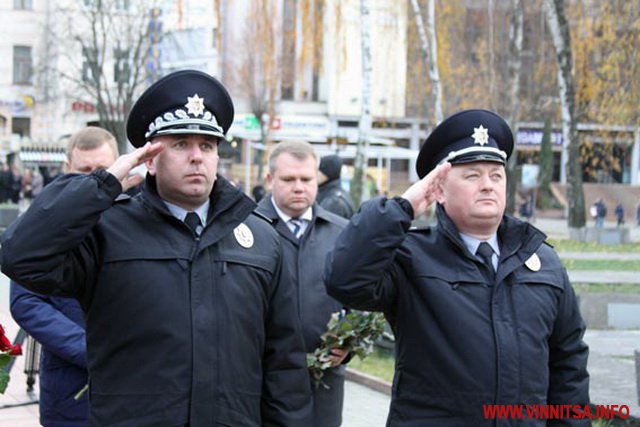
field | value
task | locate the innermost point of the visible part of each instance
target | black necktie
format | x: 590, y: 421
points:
x: 485, y: 251
x: 193, y: 221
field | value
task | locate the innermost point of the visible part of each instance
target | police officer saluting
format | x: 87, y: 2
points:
x: 481, y: 306
x: 190, y: 320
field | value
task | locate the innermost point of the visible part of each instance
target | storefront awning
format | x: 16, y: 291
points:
x: 36, y: 156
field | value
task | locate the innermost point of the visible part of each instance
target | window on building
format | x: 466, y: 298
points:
x: 122, y: 5
x: 121, y: 67
x: 21, y: 126
x: 22, y: 65
x: 90, y: 73
x: 22, y: 4
x: 3, y: 125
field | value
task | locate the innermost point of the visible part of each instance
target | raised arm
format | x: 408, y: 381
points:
x: 49, y: 249
x: 360, y: 271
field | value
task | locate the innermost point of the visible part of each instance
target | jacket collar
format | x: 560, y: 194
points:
x: 225, y: 199
x: 515, y: 236
x: 265, y: 207
x: 334, y: 183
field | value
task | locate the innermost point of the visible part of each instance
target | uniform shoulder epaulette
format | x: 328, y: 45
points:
x: 262, y: 216
x: 122, y: 198
x: 423, y: 229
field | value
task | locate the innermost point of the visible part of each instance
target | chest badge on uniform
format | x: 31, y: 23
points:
x: 243, y: 235
x: 533, y: 263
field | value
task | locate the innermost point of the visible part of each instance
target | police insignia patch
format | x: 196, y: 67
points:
x: 533, y: 263
x: 480, y: 135
x: 243, y: 236
x: 195, y: 105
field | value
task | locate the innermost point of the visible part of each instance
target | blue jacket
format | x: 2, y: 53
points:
x: 58, y: 324
x: 461, y: 341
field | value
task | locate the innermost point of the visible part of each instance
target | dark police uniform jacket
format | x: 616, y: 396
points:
x: 463, y: 342
x: 179, y: 329
x: 333, y: 198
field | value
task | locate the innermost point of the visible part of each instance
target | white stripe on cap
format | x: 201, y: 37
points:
x: 475, y: 149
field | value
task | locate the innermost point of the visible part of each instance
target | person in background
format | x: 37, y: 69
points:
x: 191, y: 319
x: 481, y: 306
x: 58, y: 323
x: 37, y: 182
x: 258, y: 192
x: 307, y: 232
x: 16, y: 185
x: 601, y: 212
x: 27, y: 185
x: 619, y: 211
x: 5, y: 182
x: 331, y: 195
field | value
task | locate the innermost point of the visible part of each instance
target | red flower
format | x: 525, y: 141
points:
x: 7, y: 346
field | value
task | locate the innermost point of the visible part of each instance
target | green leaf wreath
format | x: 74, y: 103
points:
x: 355, y: 331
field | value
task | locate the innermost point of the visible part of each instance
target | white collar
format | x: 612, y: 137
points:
x: 307, y: 215
x: 181, y: 213
x: 472, y: 243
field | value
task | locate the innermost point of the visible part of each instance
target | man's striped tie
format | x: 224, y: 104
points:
x: 297, y: 227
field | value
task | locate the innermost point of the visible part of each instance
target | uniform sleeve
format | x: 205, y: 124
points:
x: 286, y: 397
x: 568, y: 377
x: 48, y: 325
x: 360, y: 270
x: 49, y: 249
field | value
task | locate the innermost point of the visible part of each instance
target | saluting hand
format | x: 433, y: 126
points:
x: 125, y: 163
x: 424, y: 192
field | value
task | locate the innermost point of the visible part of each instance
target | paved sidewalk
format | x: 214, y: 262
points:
x: 557, y: 228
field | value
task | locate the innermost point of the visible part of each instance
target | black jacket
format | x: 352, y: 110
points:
x: 304, y: 259
x: 462, y: 342
x: 333, y: 198
x: 179, y: 329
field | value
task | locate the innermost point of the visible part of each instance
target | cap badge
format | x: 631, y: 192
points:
x: 480, y: 135
x: 243, y: 236
x: 195, y: 105
x: 533, y: 263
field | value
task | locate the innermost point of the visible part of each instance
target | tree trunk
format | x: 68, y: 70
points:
x: 430, y: 53
x: 514, y: 66
x: 561, y: 36
x: 358, y: 184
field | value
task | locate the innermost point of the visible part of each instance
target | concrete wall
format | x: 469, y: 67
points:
x: 610, y: 310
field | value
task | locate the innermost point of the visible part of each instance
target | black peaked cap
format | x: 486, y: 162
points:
x: 183, y: 102
x: 465, y: 137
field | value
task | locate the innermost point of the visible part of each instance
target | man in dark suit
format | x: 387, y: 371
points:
x: 307, y: 232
